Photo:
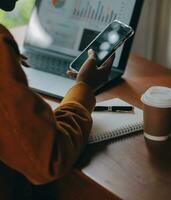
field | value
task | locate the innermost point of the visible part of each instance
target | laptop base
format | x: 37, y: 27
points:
x: 47, y: 83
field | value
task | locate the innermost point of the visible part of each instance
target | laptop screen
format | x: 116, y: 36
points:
x: 68, y: 26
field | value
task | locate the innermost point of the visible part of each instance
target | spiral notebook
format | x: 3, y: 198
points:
x: 109, y: 125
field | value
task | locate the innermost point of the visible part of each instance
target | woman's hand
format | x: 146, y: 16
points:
x: 23, y: 60
x: 90, y: 74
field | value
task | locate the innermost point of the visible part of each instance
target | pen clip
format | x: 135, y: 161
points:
x: 125, y: 111
x: 109, y: 109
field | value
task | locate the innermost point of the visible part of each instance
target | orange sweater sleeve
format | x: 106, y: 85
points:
x: 38, y: 143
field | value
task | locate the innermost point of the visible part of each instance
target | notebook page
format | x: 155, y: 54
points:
x: 107, y: 125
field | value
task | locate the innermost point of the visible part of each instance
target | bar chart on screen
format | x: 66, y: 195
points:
x: 95, y: 11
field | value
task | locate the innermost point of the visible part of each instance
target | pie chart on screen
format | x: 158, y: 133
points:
x: 58, y: 3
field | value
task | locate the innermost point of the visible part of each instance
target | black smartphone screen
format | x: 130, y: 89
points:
x: 104, y: 44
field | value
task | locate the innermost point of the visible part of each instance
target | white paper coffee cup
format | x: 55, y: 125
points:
x: 157, y: 113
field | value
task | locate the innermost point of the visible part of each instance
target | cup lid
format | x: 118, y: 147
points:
x: 157, y: 96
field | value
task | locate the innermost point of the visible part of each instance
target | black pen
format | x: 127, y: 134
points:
x: 114, y: 108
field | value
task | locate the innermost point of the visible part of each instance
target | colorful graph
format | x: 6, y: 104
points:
x: 58, y: 3
x: 98, y: 11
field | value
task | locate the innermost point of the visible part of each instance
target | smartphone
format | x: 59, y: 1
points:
x: 105, y: 44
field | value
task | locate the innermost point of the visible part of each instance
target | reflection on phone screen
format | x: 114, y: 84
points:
x: 104, y: 44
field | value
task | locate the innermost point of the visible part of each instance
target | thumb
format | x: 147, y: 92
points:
x: 91, y: 54
x: 71, y: 74
x: 91, y: 60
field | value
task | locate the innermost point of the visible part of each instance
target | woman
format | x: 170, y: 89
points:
x: 34, y: 141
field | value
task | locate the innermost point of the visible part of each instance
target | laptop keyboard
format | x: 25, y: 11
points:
x: 50, y: 64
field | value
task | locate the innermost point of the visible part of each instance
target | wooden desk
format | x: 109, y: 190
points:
x: 127, y: 168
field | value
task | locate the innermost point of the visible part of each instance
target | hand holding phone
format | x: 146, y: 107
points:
x: 105, y: 44
x: 90, y: 74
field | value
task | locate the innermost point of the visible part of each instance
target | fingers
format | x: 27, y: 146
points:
x: 25, y: 64
x: 91, y: 54
x: 108, y: 64
x: 71, y: 74
x: 90, y: 62
x: 23, y: 57
x: 23, y: 61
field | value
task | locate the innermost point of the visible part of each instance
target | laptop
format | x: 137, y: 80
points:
x: 59, y: 30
